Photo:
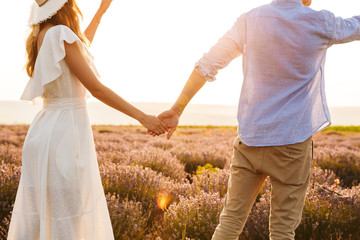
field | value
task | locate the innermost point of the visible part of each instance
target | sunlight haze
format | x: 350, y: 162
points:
x: 145, y: 50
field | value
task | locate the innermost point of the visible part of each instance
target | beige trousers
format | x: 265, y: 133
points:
x: 289, y: 169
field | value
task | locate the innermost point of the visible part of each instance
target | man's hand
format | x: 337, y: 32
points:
x: 154, y: 125
x: 171, y: 116
x: 171, y: 119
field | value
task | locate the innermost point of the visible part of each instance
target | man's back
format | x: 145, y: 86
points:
x: 283, y: 80
x: 283, y: 94
x: 286, y: 42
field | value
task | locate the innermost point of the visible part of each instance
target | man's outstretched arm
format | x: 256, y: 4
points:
x: 344, y: 30
x: 171, y: 116
x: 230, y: 46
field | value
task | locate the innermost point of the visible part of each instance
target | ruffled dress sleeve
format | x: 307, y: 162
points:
x: 52, y: 52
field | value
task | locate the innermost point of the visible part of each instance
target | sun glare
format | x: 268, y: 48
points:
x: 163, y: 200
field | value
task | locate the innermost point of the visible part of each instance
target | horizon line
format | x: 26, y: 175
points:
x: 156, y: 102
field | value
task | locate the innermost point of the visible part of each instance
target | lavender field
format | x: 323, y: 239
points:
x: 160, y: 189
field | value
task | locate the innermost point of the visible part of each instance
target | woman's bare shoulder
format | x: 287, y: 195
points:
x: 42, y: 34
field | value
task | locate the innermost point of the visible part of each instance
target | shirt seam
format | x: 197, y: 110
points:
x: 331, y: 33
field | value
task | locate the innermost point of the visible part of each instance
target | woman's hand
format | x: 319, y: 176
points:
x: 171, y: 119
x: 154, y: 125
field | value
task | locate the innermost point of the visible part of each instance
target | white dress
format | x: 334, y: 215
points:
x: 60, y: 195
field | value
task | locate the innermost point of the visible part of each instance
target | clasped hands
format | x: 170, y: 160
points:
x: 168, y: 118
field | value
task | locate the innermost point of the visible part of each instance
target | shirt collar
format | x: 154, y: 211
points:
x: 287, y: 2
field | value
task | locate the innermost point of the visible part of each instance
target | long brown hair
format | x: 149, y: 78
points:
x: 69, y: 15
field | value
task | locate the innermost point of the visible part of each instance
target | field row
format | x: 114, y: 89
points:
x: 175, y: 189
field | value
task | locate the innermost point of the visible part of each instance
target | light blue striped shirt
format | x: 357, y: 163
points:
x: 282, y: 99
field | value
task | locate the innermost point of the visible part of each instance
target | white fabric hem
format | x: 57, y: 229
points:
x: 267, y: 144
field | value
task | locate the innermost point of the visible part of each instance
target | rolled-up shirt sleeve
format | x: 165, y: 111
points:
x: 344, y: 30
x: 230, y: 46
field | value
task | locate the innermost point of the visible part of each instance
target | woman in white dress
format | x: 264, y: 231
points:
x: 60, y: 195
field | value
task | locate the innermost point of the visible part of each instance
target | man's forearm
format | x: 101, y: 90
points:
x: 192, y: 86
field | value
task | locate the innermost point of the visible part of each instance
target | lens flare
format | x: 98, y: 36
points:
x: 163, y: 200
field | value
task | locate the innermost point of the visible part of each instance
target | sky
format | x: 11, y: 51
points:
x: 145, y: 50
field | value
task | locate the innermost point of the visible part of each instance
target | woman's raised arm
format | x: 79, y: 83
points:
x: 92, y: 28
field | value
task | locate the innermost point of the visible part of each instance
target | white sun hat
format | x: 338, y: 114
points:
x: 44, y: 9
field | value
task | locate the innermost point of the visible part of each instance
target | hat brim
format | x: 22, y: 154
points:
x: 46, y: 11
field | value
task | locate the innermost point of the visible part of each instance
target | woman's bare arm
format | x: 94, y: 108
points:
x: 79, y: 66
x: 94, y: 24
